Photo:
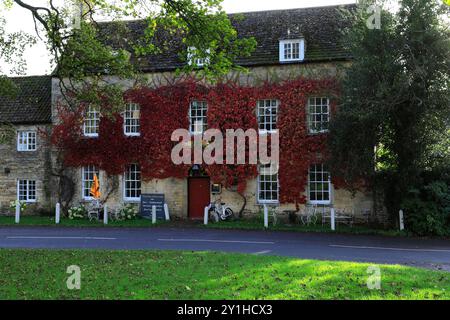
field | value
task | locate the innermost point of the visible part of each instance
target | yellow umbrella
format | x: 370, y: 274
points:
x: 95, y: 189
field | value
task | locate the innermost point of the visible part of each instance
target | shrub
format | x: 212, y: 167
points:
x: 128, y: 212
x: 427, y: 210
x: 12, y: 205
x: 76, y: 213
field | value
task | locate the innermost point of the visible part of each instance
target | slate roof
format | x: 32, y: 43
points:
x: 320, y: 26
x: 32, y: 104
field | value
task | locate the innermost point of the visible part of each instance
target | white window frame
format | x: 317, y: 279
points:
x: 90, y: 169
x: 317, y: 110
x: 266, y: 105
x: 287, y: 50
x: 91, y: 122
x: 126, y: 179
x: 29, y: 184
x: 196, y: 61
x: 26, y: 140
x: 262, y: 179
x: 321, y: 170
x: 201, y: 114
x: 132, y: 120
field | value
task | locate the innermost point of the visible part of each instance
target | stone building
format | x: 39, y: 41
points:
x: 291, y: 43
x: 25, y: 121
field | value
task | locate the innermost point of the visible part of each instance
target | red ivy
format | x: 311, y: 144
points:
x: 230, y: 106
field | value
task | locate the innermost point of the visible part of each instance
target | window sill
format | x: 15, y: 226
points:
x: 267, y: 132
x: 291, y: 61
x: 28, y: 201
x: 315, y: 133
x: 192, y: 134
x: 132, y: 134
x: 263, y: 202
x: 132, y: 200
x: 90, y: 135
x: 325, y: 203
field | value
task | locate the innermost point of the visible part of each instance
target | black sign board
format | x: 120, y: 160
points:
x: 150, y: 200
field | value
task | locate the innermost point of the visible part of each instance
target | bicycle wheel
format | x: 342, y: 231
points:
x: 215, y: 216
x: 229, y: 214
x: 304, y: 219
x: 313, y: 219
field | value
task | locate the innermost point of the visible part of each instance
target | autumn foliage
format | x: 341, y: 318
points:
x: 230, y: 106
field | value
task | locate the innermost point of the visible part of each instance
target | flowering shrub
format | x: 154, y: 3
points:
x: 230, y: 106
x: 76, y: 213
x: 13, y: 204
x: 128, y: 212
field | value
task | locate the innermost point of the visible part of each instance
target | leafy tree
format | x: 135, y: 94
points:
x: 12, y: 47
x: 393, y: 122
x: 79, y: 50
x: 84, y: 55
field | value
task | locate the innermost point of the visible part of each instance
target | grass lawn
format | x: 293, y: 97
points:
x: 50, y: 221
x: 41, y: 274
x: 258, y: 224
x: 255, y: 224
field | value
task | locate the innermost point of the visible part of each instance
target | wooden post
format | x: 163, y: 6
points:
x: 57, y: 213
x: 401, y: 220
x: 266, y: 217
x: 333, y: 220
x: 18, y: 212
x: 153, y: 214
x: 166, y: 211
x: 105, y: 214
x: 205, y: 215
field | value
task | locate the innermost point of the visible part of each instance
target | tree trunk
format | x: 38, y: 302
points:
x: 241, y: 212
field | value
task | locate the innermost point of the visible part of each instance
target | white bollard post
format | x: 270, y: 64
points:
x: 166, y: 211
x: 17, y: 212
x: 57, y: 213
x: 153, y: 214
x: 266, y: 217
x: 333, y: 220
x: 205, y: 215
x: 105, y: 214
x: 401, y: 220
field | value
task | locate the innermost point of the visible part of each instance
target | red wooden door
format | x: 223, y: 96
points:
x: 199, y: 196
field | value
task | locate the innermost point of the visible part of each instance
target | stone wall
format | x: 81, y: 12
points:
x: 176, y: 195
x: 30, y: 165
x: 176, y: 191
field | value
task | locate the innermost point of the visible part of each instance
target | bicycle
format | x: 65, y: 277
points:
x: 310, y: 216
x: 220, y: 211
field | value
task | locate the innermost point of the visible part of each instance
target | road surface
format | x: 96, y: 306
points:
x: 434, y: 254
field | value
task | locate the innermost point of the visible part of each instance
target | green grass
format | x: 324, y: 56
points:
x: 257, y: 224
x: 41, y: 274
x: 50, y: 221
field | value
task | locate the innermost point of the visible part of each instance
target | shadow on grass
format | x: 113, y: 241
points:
x: 41, y: 274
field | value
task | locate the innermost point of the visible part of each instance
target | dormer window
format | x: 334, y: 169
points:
x: 292, y: 50
x: 26, y: 141
x: 195, y: 59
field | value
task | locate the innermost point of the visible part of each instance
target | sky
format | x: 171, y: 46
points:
x: 37, y: 57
